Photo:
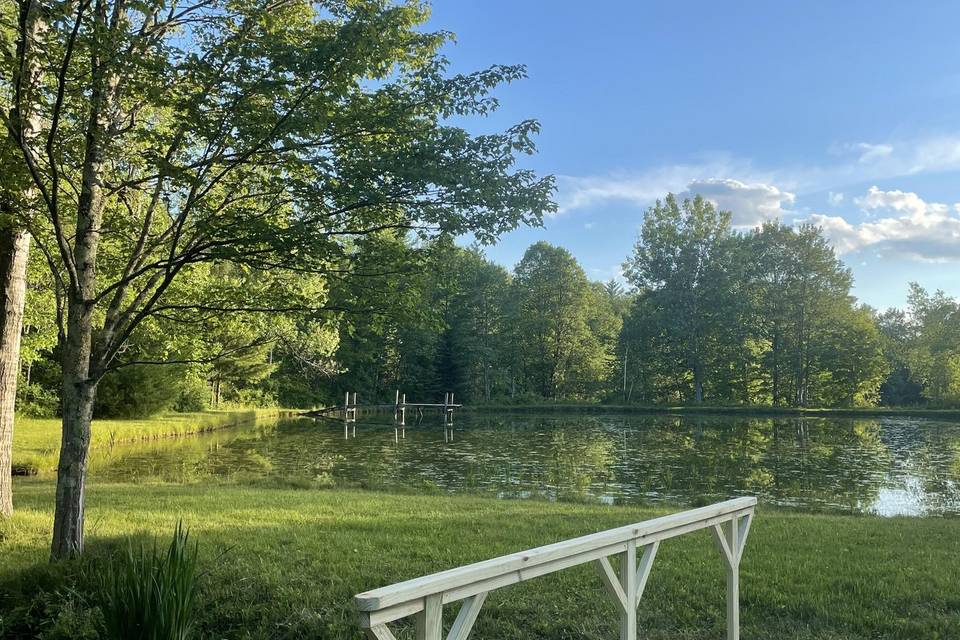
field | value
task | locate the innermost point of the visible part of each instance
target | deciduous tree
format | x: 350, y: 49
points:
x: 263, y: 133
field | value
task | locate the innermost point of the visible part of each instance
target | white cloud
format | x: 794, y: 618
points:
x: 866, y: 152
x: 927, y: 231
x: 751, y: 203
x: 640, y: 189
x: 854, y: 162
x: 899, y: 222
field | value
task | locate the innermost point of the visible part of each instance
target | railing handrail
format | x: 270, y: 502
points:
x: 402, y: 599
x: 486, y: 569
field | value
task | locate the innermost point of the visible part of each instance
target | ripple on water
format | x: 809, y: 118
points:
x: 886, y: 466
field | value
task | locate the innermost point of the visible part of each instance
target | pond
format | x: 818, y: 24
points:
x: 887, y: 466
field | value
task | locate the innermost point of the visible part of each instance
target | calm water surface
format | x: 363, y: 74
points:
x: 889, y: 466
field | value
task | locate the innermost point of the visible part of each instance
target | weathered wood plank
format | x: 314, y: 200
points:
x: 643, y: 571
x: 643, y: 533
x: 628, y: 581
x: 424, y: 597
x: 612, y: 582
x: 468, y: 615
x: 380, y: 632
x: 429, y: 622
x: 744, y: 531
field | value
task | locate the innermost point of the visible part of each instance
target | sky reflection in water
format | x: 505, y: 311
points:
x: 888, y: 466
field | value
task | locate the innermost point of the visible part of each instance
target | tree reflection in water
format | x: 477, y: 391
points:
x: 882, y: 465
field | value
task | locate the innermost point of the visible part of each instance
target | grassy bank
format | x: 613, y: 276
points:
x: 284, y: 563
x: 761, y: 411
x: 36, y: 441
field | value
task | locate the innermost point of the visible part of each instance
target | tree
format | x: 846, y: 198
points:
x: 476, y: 326
x: 265, y: 134
x: 899, y: 333
x: 800, y: 282
x: 851, y: 365
x: 934, y: 354
x: 551, y: 323
x: 760, y: 317
x: 21, y: 78
x: 682, y: 262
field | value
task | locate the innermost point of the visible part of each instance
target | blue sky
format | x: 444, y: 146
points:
x: 843, y: 114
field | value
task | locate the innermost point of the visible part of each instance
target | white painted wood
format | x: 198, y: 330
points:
x: 429, y: 622
x: 521, y: 575
x: 727, y: 536
x: 424, y: 597
x: 643, y: 532
x: 643, y: 571
x: 468, y: 615
x: 454, y: 594
x: 612, y: 582
x: 370, y: 618
x: 380, y: 632
x: 628, y: 580
x: 720, y: 535
x: 744, y: 531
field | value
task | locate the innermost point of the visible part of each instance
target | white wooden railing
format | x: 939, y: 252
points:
x: 424, y: 597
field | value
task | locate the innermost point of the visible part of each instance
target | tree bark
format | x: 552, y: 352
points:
x: 15, y: 241
x: 79, y: 378
x: 14, y: 250
x: 78, y: 395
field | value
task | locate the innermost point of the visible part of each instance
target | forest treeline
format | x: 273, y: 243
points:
x: 707, y: 314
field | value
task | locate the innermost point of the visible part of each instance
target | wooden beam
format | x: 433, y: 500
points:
x: 424, y: 597
x: 468, y: 615
x: 727, y: 535
x: 380, y: 632
x: 429, y: 622
x: 612, y: 582
x: 744, y: 531
x: 643, y: 571
x: 628, y: 580
x: 581, y: 550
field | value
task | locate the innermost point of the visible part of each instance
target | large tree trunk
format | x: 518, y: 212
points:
x: 79, y: 378
x: 79, y: 392
x: 14, y: 250
x: 15, y: 241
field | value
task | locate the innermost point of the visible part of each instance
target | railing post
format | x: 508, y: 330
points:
x: 423, y: 597
x: 731, y: 536
x: 733, y: 582
x: 628, y: 580
x: 429, y: 622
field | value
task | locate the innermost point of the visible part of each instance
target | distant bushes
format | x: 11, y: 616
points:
x: 138, y: 391
x: 35, y: 401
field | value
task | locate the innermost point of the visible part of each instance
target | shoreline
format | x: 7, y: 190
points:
x: 801, y: 412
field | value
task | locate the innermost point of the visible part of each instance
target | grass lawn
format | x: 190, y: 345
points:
x: 36, y: 441
x: 284, y: 563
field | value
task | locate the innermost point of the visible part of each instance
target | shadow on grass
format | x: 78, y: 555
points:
x: 283, y: 563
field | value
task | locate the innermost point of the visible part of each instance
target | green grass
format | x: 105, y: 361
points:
x: 283, y: 562
x: 36, y: 441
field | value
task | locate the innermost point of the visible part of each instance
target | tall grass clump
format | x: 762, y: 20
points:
x: 151, y: 594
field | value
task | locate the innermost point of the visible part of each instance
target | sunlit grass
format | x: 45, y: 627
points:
x: 284, y: 563
x: 36, y: 441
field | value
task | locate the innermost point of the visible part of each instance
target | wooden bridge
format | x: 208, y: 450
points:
x: 351, y: 408
x: 635, y: 544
